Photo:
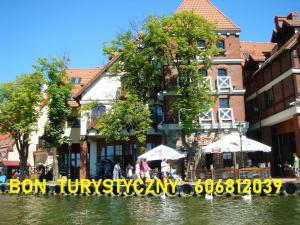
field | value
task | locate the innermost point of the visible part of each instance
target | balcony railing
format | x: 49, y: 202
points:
x: 225, y: 115
x: 206, y: 117
x: 92, y: 121
x: 207, y: 82
x: 224, y: 83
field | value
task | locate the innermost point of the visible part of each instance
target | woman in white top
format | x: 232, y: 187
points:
x: 138, y: 169
x: 164, y: 168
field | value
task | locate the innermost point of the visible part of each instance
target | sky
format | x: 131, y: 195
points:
x: 30, y: 29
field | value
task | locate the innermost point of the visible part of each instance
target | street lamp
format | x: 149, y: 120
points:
x: 69, y: 140
x: 240, y: 128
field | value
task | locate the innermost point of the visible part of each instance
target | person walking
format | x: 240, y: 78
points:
x: 296, y: 165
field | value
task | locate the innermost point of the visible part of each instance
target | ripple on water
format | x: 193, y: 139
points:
x: 147, y: 210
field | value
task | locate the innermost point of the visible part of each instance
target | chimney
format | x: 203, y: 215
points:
x: 293, y: 16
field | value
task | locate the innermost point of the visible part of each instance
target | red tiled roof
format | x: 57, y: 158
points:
x: 99, y: 74
x: 207, y: 10
x: 6, y: 141
x: 86, y: 76
x: 11, y: 163
x: 257, y: 50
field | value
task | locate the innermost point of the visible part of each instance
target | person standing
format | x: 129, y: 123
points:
x: 296, y: 165
x: 116, y: 171
x: 138, y: 169
x: 146, y: 169
x: 164, y: 168
x: 129, y: 169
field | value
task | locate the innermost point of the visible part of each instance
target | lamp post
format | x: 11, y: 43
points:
x: 240, y: 128
x: 69, y: 140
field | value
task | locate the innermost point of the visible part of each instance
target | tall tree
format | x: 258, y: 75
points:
x: 169, y: 43
x: 19, y: 112
x: 58, y: 92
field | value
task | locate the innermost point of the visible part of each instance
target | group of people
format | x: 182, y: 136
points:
x: 142, y: 170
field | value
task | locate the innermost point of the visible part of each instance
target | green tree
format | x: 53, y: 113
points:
x: 169, y: 43
x: 19, y: 112
x: 58, y: 92
x: 129, y: 115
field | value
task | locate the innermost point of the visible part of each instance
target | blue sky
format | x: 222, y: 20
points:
x: 38, y: 28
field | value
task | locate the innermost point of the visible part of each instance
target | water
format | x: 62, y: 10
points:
x: 147, y: 210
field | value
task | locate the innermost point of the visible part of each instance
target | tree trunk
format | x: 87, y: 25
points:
x: 23, y: 167
x: 196, y: 163
x: 22, y: 148
x: 55, y: 164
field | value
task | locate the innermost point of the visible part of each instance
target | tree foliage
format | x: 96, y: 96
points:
x: 129, y: 114
x: 169, y: 43
x: 58, y: 92
x: 19, y: 111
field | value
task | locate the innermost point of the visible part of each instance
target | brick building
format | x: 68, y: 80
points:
x: 271, y: 76
x: 225, y: 79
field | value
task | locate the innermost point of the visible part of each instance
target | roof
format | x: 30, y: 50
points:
x: 287, y: 46
x: 257, y: 50
x: 207, y: 10
x: 86, y: 76
x: 99, y: 74
x: 6, y: 141
x: 12, y: 163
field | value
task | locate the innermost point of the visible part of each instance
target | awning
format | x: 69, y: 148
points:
x: 12, y: 163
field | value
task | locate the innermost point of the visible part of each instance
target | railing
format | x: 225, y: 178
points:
x: 224, y: 83
x: 206, y: 117
x: 120, y: 93
x: 92, y: 121
x: 225, y: 115
x: 207, y: 82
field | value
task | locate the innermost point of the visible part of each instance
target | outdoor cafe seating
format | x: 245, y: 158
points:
x: 231, y: 144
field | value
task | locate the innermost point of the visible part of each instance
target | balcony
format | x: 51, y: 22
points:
x: 92, y: 121
x: 225, y: 115
x: 224, y: 84
x: 206, y: 81
x: 206, y: 117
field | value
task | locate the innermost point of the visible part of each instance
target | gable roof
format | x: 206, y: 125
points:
x: 113, y: 59
x: 6, y: 142
x: 85, y: 75
x: 257, y: 50
x: 207, y: 10
x: 287, y: 46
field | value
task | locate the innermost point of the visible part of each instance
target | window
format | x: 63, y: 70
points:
x: 224, y: 102
x: 98, y: 110
x: 220, y: 44
x: 269, y: 98
x: 75, y: 80
x: 110, y: 153
x: 203, y: 72
x: 222, y: 72
x: 150, y: 146
x: 201, y: 44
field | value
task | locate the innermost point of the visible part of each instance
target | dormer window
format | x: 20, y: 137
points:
x: 221, y: 44
x: 201, y: 43
x: 75, y: 80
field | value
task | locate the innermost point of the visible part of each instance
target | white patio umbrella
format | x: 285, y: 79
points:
x: 231, y: 143
x: 162, y: 152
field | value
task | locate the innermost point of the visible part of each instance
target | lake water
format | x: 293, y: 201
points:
x: 60, y: 210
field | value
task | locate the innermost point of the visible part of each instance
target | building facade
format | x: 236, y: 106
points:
x: 271, y: 76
